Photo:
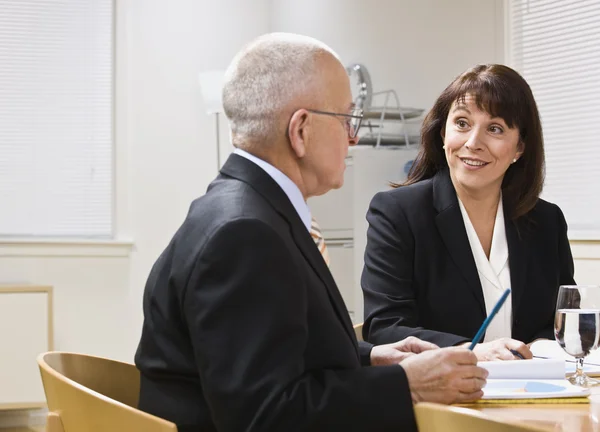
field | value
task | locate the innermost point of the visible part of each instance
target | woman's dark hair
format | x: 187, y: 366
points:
x: 501, y: 92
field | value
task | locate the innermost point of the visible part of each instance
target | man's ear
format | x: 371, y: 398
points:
x: 298, y: 131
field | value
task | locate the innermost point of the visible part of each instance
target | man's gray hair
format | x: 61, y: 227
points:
x: 268, y: 76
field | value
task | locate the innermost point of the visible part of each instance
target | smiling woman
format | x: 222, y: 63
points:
x: 467, y: 224
x: 499, y: 96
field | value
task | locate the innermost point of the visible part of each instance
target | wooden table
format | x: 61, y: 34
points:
x: 564, y: 417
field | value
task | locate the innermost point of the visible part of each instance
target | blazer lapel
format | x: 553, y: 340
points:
x: 313, y: 256
x: 499, y: 250
x: 451, y: 227
x: 518, y: 257
x: 244, y: 170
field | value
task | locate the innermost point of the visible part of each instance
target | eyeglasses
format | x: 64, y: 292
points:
x: 352, y: 121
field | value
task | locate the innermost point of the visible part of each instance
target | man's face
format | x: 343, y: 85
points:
x: 326, y: 155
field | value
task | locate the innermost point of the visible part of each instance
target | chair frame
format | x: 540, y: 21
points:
x: 430, y: 416
x: 74, y: 406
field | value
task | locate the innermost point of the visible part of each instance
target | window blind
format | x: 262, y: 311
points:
x: 56, y: 134
x: 555, y: 45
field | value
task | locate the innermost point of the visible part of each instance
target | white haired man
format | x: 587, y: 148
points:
x: 245, y: 329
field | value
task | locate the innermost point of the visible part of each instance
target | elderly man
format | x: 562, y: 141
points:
x: 245, y: 329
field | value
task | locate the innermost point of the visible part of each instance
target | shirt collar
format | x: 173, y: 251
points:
x: 289, y: 187
x: 493, y: 266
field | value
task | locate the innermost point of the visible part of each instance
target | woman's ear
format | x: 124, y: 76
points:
x: 520, y: 149
x: 298, y: 131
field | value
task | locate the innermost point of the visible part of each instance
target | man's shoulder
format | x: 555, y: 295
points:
x: 223, y: 198
x: 227, y: 204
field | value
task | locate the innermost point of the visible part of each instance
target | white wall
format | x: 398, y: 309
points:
x: 587, y: 262
x: 169, y: 138
x: 91, y: 301
x: 414, y: 47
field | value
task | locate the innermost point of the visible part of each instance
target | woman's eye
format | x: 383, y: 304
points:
x: 496, y: 129
x: 461, y: 123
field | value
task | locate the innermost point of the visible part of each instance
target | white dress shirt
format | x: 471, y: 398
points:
x: 289, y: 187
x: 494, y: 273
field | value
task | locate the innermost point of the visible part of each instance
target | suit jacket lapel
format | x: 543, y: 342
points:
x: 244, y: 170
x: 518, y: 257
x: 313, y: 256
x: 451, y: 227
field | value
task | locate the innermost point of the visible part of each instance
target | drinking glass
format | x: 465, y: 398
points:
x: 577, y: 326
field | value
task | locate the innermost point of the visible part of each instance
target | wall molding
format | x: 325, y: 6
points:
x: 585, y: 249
x: 23, y: 418
x: 24, y: 247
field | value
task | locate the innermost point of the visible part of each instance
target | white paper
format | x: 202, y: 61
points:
x: 551, y: 349
x: 589, y: 369
x: 525, y: 369
x: 532, y: 389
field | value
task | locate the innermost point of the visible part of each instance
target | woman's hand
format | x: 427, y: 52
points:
x: 500, y: 349
x: 395, y: 353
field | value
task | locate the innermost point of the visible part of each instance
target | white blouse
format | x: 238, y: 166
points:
x: 494, y: 273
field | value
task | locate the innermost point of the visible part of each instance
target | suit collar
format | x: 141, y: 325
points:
x: 289, y: 187
x: 518, y: 257
x: 451, y: 227
x: 444, y: 195
x: 452, y: 230
x: 248, y: 172
x: 491, y: 268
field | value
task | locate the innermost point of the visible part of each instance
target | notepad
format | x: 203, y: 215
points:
x: 535, y: 369
x: 530, y: 379
x: 545, y: 369
x: 551, y: 349
x: 565, y: 400
x: 499, y: 389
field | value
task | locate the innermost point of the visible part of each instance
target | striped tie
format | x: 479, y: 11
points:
x: 315, y: 233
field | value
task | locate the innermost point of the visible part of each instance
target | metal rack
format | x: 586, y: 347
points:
x: 390, y: 124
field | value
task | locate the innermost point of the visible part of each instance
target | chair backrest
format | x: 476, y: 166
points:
x: 94, y: 394
x: 358, y: 331
x: 434, y: 417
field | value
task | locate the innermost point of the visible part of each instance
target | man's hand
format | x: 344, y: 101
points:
x: 446, y: 375
x: 500, y: 349
x: 394, y: 353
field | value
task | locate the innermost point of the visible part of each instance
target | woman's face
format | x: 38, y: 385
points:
x: 479, y: 148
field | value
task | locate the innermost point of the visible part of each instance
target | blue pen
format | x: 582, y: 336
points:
x: 489, y: 319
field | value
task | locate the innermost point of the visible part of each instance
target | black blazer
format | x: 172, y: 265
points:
x: 420, y: 276
x: 245, y: 329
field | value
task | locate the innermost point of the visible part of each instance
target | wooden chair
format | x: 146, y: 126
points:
x: 93, y: 394
x: 358, y: 331
x: 434, y: 418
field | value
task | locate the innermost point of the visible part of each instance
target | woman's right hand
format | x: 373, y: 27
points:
x: 500, y: 350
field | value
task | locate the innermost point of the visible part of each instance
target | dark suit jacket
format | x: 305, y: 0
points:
x: 420, y: 276
x: 245, y: 329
